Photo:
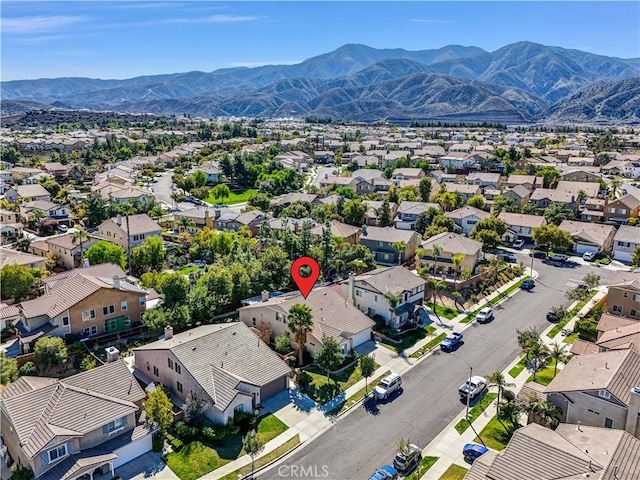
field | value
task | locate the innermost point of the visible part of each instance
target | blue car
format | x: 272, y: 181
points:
x: 471, y: 451
x: 528, y: 284
x: 385, y: 472
x: 451, y: 342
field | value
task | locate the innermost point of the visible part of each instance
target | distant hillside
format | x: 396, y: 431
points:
x: 518, y: 82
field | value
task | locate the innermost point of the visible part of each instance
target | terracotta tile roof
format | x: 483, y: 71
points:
x: 608, y: 321
x: 583, y: 347
x: 390, y: 279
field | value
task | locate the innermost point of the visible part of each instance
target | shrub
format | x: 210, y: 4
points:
x: 304, y: 379
x: 209, y: 432
x: 6, y: 334
x: 157, y: 442
x: 176, y: 444
x: 508, y: 395
x: 88, y: 362
x: 283, y: 344
x: 22, y: 473
x: 77, y: 346
x: 70, y: 339
x: 184, y: 430
x: 292, y: 360
x: 29, y: 369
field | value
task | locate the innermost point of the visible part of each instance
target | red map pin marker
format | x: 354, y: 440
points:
x: 305, y: 284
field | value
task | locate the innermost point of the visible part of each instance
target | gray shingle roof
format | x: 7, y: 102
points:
x: 387, y: 234
x: 627, y: 233
x: 467, y: 211
x: 391, y: 279
x: 453, y: 243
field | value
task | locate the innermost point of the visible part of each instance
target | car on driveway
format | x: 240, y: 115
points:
x: 472, y: 451
x: 385, y: 472
x: 472, y: 387
x: 485, y: 315
x: 528, y: 284
x: 518, y: 244
x: 405, y: 462
x: 589, y: 256
x: 451, y: 342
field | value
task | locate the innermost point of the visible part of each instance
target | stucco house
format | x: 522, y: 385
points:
x: 130, y: 230
x: 408, y: 213
x: 543, y: 197
x: 225, y: 363
x: 344, y: 231
x: 627, y: 238
x: 451, y: 244
x: 65, y: 251
x: 466, y: 218
x: 380, y: 241
x: 589, y: 237
x: 10, y: 225
x: 519, y: 195
x: 32, y: 192
x: 371, y: 215
x: 621, y: 209
x: 521, y: 225
x: 623, y: 297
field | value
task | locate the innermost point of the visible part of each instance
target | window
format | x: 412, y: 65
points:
x: 612, y: 210
x: 471, y: 222
x: 141, y: 300
x: 635, y: 313
x: 88, y: 315
x: 179, y: 387
x: 358, y: 293
x: 610, y: 423
x: 178, y: 369
x: 148, y: 368
x: 114, y: 427
x: 170, y: 363
x: 65, y: 321
x: 604, y: 394
x: 623, y: 211
x: 617, y: 309
x: 94, y: 330
x: 86, y: 331
x: 636, y: 298
x: 371, y: 312
x: 625, y: 294
x: 109, y: 309
x: 123, y: 306
x: 55, y: 454
x: 375, y: 298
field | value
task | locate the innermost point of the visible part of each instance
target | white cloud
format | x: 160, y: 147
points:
x: 37, y: 24
x: 431, y: 21
x: 214, y: 19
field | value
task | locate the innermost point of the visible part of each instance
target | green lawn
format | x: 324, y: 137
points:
x: 454, y: 472
x: 494, y: 435
x: 433, y: 343
x: 570, y: 314
x: 519, y: 367
x: 261, y: 461
x: 409, y: 339
x: 545, y: 375
x: 446, y: 312
x: 425, y: 464
x: 494, y: 300
x: 188, y: 270
x: 570, y: 338
x: 240, y: 196
x: 475, y: 412
x: 359, y: 395
x: 322, y: 390
x: 197, y: 458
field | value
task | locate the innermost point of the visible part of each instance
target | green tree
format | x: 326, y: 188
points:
x: 29, y: 369
x: 559, y: 355
x: 261, y: 201
x: 88, y: 362
x: 283, y: 343
x: 422, y: 222
x: 147, y: 256
x: 50, y: 351
x: 159, y: 409
x: 329, y: 356
x: 476, y: 201
x: 221, y: 191
x: 184, y: 223
x: 300, y: 323
x: 354, y: 211
x: 213, y: 290
x: 501, y: 203
x: 400, y: 248
x: 200, y: 178
x: 384, y: 214
x: 9, y: 369
x: 174, y: 288
x: 498, y: 380
x: 274, y: 268
x: 556, y: 213
x: 15, y: 281
x: 106, y: 252
x: 591, y: 280
x: 489, y: 231
x: 424, y: 187
x: 253, y: 446
x: 79, y: 236
x: 96, y: 209
x: 635, y: 256
x: 553, y: 236
x: 367, y: 366
x: 449, y: 200
x: 158, y: 318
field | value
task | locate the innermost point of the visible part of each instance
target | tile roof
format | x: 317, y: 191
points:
x: 14, y: 257
x: 72, y: 406
x: 621, y: 337
x: 608, y: 321
x: 387, y: 234
x: 390, y: 279
x: 229, y: 352
x: 462, y: 188
x: 627, y: 233
x: 552, y: 195
x: 520, y: 190
x: 521, y: 219
x: 108, y: 270
x: 531, y: 389
x: 583, y: 347
x: 591, y: 189
x: 416, y: 208
x: 467, y: 211
x: 591, y: 232
x: 30, y: 191
x: 453, y: 243
x: 338, y: 229
x: 623, y: 278
x: 138, y: 224
x: 80, y: 463
x: 629, y: 201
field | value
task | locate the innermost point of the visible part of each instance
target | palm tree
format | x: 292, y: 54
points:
x: 435, y: 286
x: 558, y: 354
x: 185, y: 222
x: 128, y: 209
x: 457, y: 261
x: 539, y: 353
x: 399, y: 247
x: 497, y: 379
x: 79, y: 236
x: 436, y: 251
x: 394, y: 300
x: 511, y: 413
x: 300, y: 323
x: 548, y: 414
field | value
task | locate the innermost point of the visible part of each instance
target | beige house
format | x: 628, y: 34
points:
x: 451, y: 244
x: 626, y: 240
x: 226, y: 364
x: 467, y: 217
x: 600, y: 390
x: 130, y: 230
x: 199, y: 217
x: 465, y: 191
x: 65, y: 429
x: 614, y: 333
x: 624, y: 294
x: 530, y: 182
x: 32, y: 192
x: 380, y: 241
x: 589, y: 237
x: 590, y: 189
x: 86, y: 302
x: 543, y: 197
x: 65, y: 251
x: 343, y: 231
x: 332, y: 315
x: 521, y: 225
x: 621, y: 209
x: 15, y: 257
x: 10, y: 225
x: 519, y: 195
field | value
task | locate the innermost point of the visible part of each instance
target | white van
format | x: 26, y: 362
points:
x: 387, y: 386
x: 558, y: 257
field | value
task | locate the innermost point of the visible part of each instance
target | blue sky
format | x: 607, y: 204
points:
x: 122, y: 39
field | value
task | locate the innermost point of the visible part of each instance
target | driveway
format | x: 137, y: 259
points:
x: 148, y: 465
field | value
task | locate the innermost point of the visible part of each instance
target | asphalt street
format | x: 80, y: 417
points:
x: 365, y: 439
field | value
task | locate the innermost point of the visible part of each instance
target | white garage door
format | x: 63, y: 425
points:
x: 622, y: 256
x: 581, y: 248
x: 361, y: 337
x: 132, y: 451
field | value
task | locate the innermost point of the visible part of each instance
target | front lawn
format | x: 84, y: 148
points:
x: 545, y: 375
x: 425, y: 464
x: 494, y: 435
x: 240, y: 196
x: 359, y: 395
x: 498, y: 298
x: 475, y: 412
x: 322, y: 390
x: 261, y: 461
x: 432, y: 344
x: 188, y: 270
x: 409, y: 339
x: 199, y: 457
x: 519, y: 367
x: 454, y: 472
x: 570, y: 314
x: 570, y: 339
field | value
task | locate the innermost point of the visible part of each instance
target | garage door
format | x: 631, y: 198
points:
x: 622, y: 256
x: 272, y: 388
x: 361, y: 337
x: 132, y: 450
x: 581, y: 248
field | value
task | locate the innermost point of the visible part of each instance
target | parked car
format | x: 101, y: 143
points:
x: 388, y: 385
x: 485, y: 315
x: 558, y: 257
x: 472, y: 387
x: 509, y: 258
x: 404, y: 463
x: 385, y: 472
x: 451, y: 342
x: 63, y: 228
x: 538, y: 254
x: 472, y: 451
x: 528, y: 284
x: 552, y: 315
x: 518, y: 244
x: 589, y: 256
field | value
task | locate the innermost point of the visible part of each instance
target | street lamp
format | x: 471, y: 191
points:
x: 469, y: 387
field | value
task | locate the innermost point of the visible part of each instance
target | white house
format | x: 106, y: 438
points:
x: 467, y: 217
x: 625, y: 241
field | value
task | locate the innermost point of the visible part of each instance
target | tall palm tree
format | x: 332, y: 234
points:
x: 511, y: 413
x: 548, y: 414
x: 79, y: 236
x: 399, y: 247
x: 185, y: 223
x: 394, y: 300
x: 128, y: 209
x: 558, y: 354
x: 436, y: 251
x: 539, y: 353
x: 300, y: 323
x: 457, y: 261
x: 497, y: 379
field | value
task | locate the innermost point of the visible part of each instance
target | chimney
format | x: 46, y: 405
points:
x: 119, y: 220
x: 265, y: 296
x: 112, y: 354
x: 116, y: 282
x: 352, y: 288
x: 633, y: 413
x: 168, y: 332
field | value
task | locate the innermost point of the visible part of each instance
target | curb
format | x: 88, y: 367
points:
x: 263, y: 467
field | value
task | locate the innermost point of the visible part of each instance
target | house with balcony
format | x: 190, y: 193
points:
x: 130, y: 230
x: 622, y: 209
x: 451, y: 245
x: 625, y: 241
x: 74, y: 428
x: 89, y: 301
x: 381, y: 241
x: 225, y: 364
x: 467, y: 217
x: 408, y: 213
x: 623, y: 297
x: 395, y: 294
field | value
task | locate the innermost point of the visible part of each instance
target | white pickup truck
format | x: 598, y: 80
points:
x: 473, y: 387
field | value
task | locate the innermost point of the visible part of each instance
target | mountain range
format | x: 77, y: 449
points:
x: 519, y: 83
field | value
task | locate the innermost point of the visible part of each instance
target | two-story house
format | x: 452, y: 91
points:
x: 408, y: 213
x: 626, y: 240
x: 484, y: 179
x: 343, y: 231
x: 71, y: 428
x: 194, y: 219
x: 63, y: 248
x: 623, y: 297
x: 15, y: 257
x: 465, y: 191
x: 590, y: 189
x: 521, y: 225
x: 86, y: 302
x: 467, y: 217
x: 593, y: 210
x: 407, y: 174
x: 32, y: 192
x: 614, y: 333
x: 234, y: 221
x: 589, y: 237
x: 332, y: 315
x: 393, y: 293
x: 10, y: 225
x: 530, y: 182
x: 451, y: 244
x: 600, y: 390
x: 372, y: 216
x: 48, y: 209
x: 622, y: 209
x: 543, y: 197
x: 225, y: 364
x: 130, y: 230
x: 519, y: 195
x: 212, y: 171
x: 382, y: 242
